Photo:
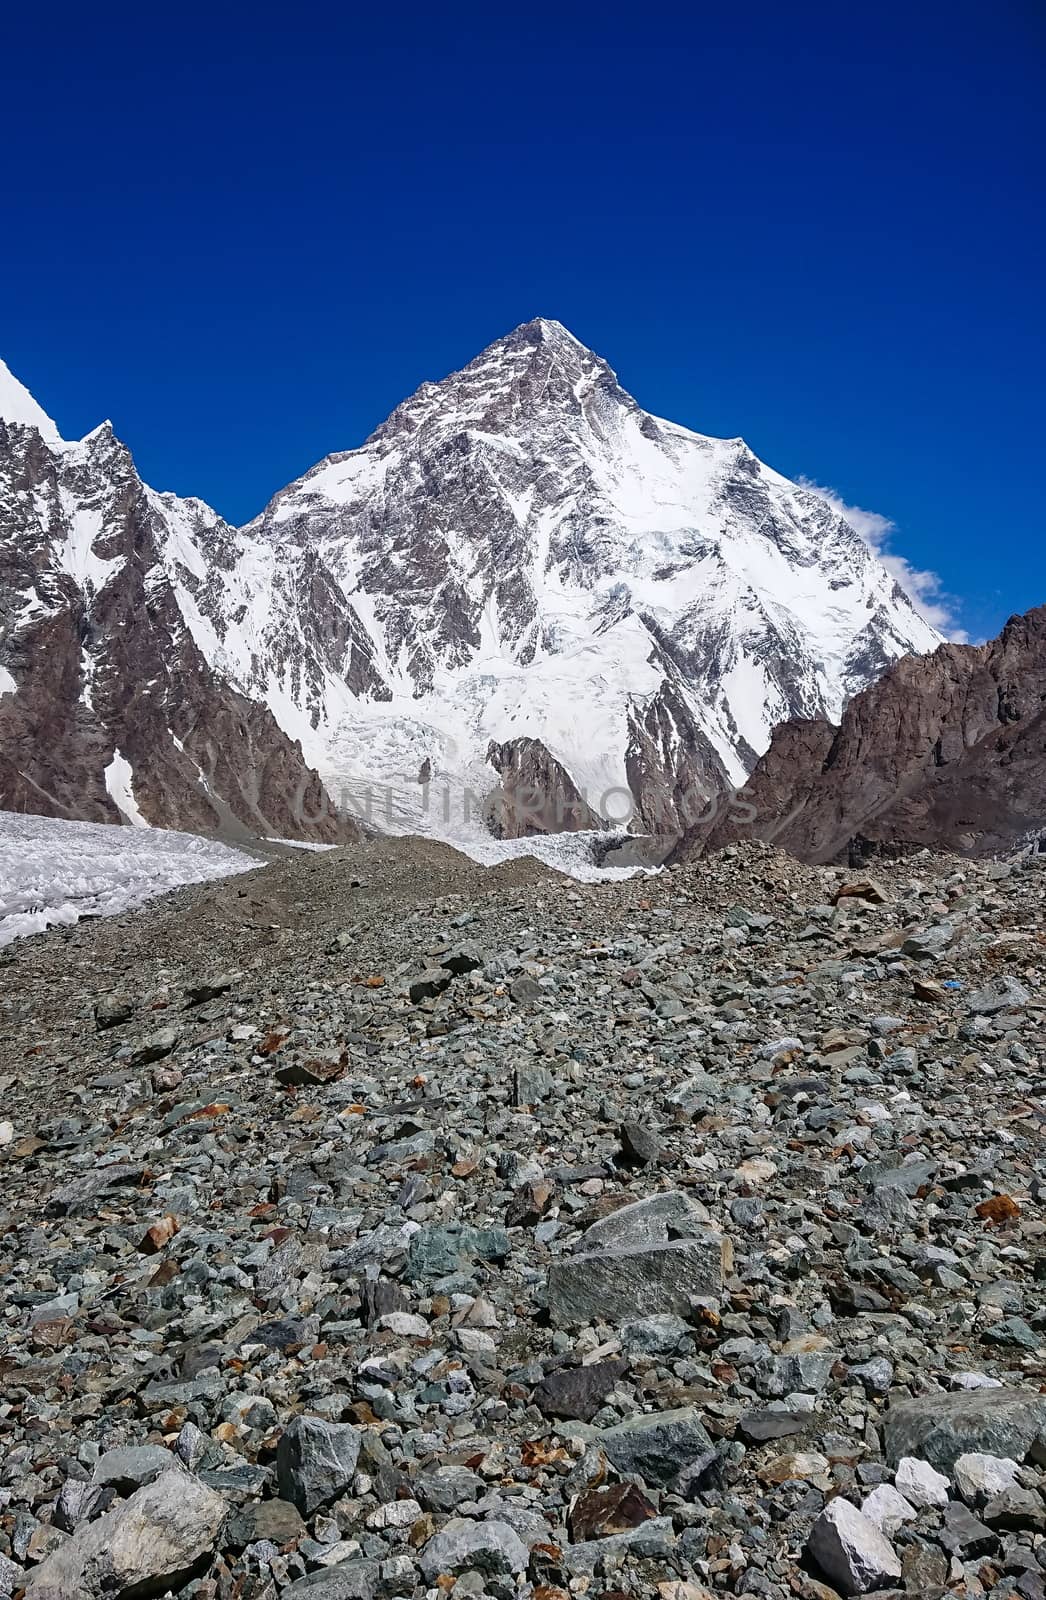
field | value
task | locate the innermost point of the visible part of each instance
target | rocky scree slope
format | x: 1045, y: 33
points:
x: 673, y: 1239
x: 521, y: 572
x: 946, y: 750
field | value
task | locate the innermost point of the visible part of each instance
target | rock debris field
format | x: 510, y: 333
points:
x: 376, y: 1224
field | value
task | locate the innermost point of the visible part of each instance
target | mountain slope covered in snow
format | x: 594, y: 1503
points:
x: 109, y: 711
x: 524, y: 603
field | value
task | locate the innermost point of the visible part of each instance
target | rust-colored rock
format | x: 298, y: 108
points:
x: 158, y: 1235
x: 1000, y: 1209
x: 618, y: 1508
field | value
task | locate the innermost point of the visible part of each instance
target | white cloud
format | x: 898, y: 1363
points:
x: 924, y: 589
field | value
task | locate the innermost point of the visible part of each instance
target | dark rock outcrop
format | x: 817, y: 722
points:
x: 98, y: 660
x: 536, y: 794
x: 946, y: 750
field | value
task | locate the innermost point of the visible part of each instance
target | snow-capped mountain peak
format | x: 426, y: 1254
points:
x: 522, y: 552
x: 18, y: 405
x: 521, y: 581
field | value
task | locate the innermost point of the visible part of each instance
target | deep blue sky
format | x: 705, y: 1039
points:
x: 245, y: 237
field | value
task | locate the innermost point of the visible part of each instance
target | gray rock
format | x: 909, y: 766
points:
x: 1012, y: 1331
x: 652, y: 1540
x: 888, y: 1509
x: 756, y: 1427
x: 132, y: 1466
x: 940, y: 1428
x: 978, y: 1477
x: 645, y: 1222
x: 81, y: 1193
x: 11, y: 1578
x: 430, y: 984
x: 155, y: 1047
x: 851, y: 1551
x: 908, y: 1177
x: 465, y: 957
x: 578, y: 1392
x: 656, y: 1447
x: 1015, y: 1508
x: 441, y: 1251
x: 640, y: 1145
x: 1001, y: 994
x: 277, y: 1520
x: 112, y: 1013
x: 147, y: 1545
x: 963, y: 1534
x: 446, y: 1488
x: 80, y: 1502
x: 619, y: 1285
x: 876, y: 1375
x: 921, y: 1483
x: 316, y: 1461
x: 348, y: 1580
x: 653, y: 1335
x: 492, y: 1548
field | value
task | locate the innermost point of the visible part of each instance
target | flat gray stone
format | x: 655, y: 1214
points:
x: 441, y: 1250
x: 655, y: 1447
x: 81, y: 1193
x: 645, y: 1222
x: 653, y: 1540
x: 621, y: 1285
x: 939, y: 1428
x: 132, y: 1466
x: 349, y: 1580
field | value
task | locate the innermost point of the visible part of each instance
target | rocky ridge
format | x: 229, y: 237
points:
x: 109, y: 709
x: 946, y: 750
x: 375, y: 1226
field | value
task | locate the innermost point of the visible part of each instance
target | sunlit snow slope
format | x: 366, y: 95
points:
x: 520, y: 550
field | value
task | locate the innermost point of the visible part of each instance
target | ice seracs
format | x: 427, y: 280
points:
x: 53, y: 872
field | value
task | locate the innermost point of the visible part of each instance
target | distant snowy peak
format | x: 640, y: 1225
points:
x: 520, y: 555
x: 522, y: 581
x: 18, y: 405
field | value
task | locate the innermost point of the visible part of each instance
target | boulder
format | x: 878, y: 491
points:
x: 656, y: 1447
x: 851, y: 1551
x: 316, y: 1462
x: 619, y: 1285
x: 940, y: 1428
x: 492, y: 1548
x: 149, y: 1544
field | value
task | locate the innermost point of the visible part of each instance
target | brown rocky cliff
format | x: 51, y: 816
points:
x: 946, y: 750
x: 535, y: 794
x: 102, y: 661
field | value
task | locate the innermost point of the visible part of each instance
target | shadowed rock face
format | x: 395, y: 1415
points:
x: 98, y: 660
x: 535, y: 793
x: 945, y: 750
